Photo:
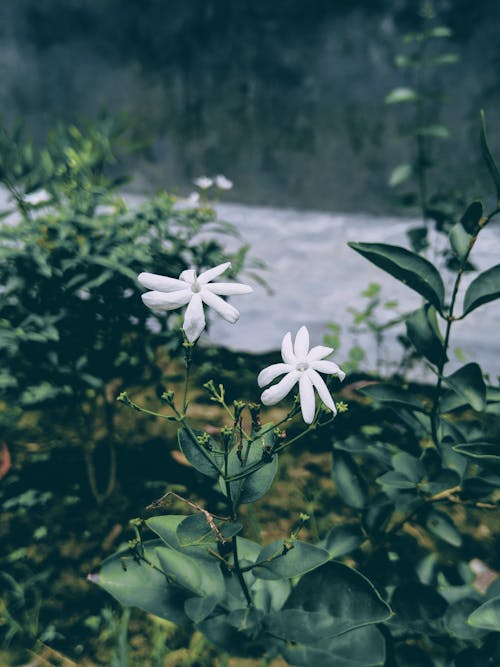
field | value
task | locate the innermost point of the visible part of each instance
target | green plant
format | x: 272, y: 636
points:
x: 422, y: 59
x: 407, y: 492
x: 72, y: 329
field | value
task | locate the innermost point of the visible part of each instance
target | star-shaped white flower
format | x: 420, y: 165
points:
x: 301, y: 365
x: 193, y: 290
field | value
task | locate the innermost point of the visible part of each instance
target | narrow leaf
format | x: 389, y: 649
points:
x: 472, y: 216
x: 399, y: 95
x: 422, y: 330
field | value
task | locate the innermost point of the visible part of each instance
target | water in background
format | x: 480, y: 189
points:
x: 315, y: 277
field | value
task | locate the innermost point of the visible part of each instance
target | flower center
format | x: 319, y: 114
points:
x: 302, y: 366
x: 195, y: 287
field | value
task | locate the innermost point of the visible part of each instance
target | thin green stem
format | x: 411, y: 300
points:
x: 450, y: 318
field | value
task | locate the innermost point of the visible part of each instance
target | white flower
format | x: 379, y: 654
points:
x: 222, y: 182
x: 193, y: 199
x: 193, y: 290
x: 203, y: 182
x: 301, y: 365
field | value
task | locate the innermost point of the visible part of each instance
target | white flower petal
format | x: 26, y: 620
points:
x: 322, y: 389
x: 203, y: 182
x: 222, y: 182
x: 228, y: 289
x: 278, y: 391
x: 194, y: 318
x: 301, y: 347
x: 188, y: 276
x: 162, y: 301
x: 287, y: 350
x: 328, y: 367
x: 225, y: 310
x: 319, y: 352
x: 271, y: 373
x: 307, y: 402
x: 209, y: 275
x: 161, y: 283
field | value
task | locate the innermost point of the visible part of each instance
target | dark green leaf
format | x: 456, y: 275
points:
x: 436, y: 131
x: 342, y: 540
x: 363, y: 647
x: 456, y: 618
x: 460, y: 241
x: 483, y: 289
x: 439, y: 524
x: 468, y: 381
x: 408, y: 267
x: 487, y: 451
x: 408, y: 465
x: 195, y: 530
x: 326, y: 603
x: 393, y: 394
x: 198, y: 608
x: 396, y: 480
x: 422, y: 330
x: 137, y: 584
x: 351, y: 487
x: 417, y: 607
x: 471, y: 217
x: 253, y: 487
x: 488, y: 157
x: 302, y: 558
x: 199, y: 455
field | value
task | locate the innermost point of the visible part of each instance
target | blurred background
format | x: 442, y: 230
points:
x: 284, y: 97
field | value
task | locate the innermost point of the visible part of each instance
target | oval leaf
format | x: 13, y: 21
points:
x: 468, y: 382
x: 485, y: 288
x: 399, y: 95
x: 406, y: 266
x: 199, y: 455
x: 326, y: 603
x: 487, y: 616
x: 272, y: 563
x: 471, y: 217
x: 422, y: 330
x: 488, y: 451
x: 351, y: 487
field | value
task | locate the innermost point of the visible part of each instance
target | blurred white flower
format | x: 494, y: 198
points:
x: 222, y: 182
x: 203, y: 182
x: 38, y: 197
x: 194, y: 291
x: 301, y: 365
x: 193, y: 199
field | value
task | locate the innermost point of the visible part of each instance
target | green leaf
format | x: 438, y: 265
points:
x: 488, y: 157
x: 439, y: 524
x: 487, y: 451
x: 253, y: 487
x: 487, y: 616
x: 137, y: 584
x: 436, y: 131
x: 396, y: 480
x: 399, y: 95
x: 198, y: 608
x: 295, y: 562
x: 342, y: 540
x: 195, y: 530
x: 422, y: 330
x: 445, y: 59
x: 472, y: 216
x: 456, y: 619
x: 408, y: 267
x: 468, y: 381
x: 417, y: 607
x: 326, y: 603
x: 199, y: 455
x: 351, y: 487
x: 400, y: 174
x: 180, y: 568
x: 393, y: 394
x: 460, y: 241
x: 362, y: 647
x: 483, y: 289
x: 408, y: 465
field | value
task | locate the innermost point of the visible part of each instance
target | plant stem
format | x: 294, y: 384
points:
x: 450, y: 318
